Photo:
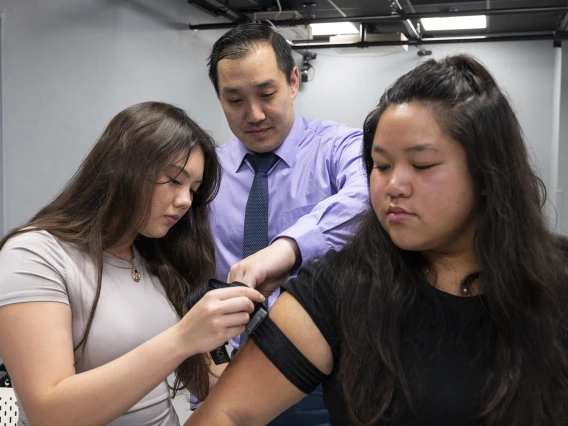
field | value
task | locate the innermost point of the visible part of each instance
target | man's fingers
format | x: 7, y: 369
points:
x: 269, y: 286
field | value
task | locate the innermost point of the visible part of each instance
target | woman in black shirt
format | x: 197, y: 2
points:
x: 449, y: 306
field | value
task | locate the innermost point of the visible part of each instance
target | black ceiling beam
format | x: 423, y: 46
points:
x: 393, y: 17
x: 216, y: 8
x: 553, y: 36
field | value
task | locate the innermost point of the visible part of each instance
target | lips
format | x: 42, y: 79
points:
x: 398, y: 214
x: 396, y: 210
x: 172, y: 219
x: 258, y: 132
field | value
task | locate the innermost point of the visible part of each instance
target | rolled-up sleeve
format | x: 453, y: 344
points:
x: 332, y: 221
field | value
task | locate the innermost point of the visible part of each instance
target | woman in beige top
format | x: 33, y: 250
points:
x: 92, y: 288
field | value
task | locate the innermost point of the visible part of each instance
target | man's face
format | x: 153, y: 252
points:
x: 257, y: 99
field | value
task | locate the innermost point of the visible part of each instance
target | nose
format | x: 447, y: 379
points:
x: 399, y: 184
x: 183, y: 199
x: 255, y: 114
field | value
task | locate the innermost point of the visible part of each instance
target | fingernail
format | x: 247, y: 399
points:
x: 263, y: 298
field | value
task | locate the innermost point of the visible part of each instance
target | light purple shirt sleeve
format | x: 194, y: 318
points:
x: 330, y: 224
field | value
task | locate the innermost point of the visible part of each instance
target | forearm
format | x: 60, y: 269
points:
x: 240, y: 399
x: 37, y: 346
x: 98, y: 396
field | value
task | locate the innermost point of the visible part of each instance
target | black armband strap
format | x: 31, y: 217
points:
x: 286, y: 357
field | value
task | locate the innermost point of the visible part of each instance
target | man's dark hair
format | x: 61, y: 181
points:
x: 239, y: 41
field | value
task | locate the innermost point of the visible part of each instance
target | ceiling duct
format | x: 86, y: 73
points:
x: 349, y: 39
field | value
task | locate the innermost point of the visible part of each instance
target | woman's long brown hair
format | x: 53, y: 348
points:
x: 110, y: 197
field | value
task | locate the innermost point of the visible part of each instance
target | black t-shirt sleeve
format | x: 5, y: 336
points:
x: 315, y: 289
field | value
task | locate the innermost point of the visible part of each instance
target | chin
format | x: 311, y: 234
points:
x: 408, y: 243
x: 261, y: 146
x: 154, y: 233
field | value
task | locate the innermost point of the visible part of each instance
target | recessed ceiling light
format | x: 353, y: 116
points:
x: 454, y: 23
x: 334, y: 28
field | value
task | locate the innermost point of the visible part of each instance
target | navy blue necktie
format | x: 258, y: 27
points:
x: 255, y: 235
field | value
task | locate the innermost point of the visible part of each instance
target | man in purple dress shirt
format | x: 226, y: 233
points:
x: 317, y: 188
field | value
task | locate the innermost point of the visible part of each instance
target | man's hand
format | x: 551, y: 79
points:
x: 268, y: 268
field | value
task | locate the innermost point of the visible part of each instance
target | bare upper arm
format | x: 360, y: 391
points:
x: 299, y: 327
x: 36, y: 345
x: 252, y: 391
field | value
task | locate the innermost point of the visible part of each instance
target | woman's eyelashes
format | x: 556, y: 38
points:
x: 423, y: 166
x: 177, y: 182
x: 385, y: 167
x: 381, y: 168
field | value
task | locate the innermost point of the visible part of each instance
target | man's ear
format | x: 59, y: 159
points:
x: 294, y: 82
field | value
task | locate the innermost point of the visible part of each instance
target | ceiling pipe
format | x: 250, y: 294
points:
x: 393, y: 17
x: 310, y: 44
x: 555, y: 193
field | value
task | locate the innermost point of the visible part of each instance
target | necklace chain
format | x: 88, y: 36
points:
x: 135, y: 274
x: 464, y: 290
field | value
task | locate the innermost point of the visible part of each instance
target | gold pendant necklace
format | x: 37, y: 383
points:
x: 135, y: 274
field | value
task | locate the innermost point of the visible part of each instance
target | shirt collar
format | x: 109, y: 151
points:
x: 287, y: 149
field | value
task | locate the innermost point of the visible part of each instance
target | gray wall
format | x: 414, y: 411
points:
x: 71, y: 65
x: 347, y: 86
x: 563, y: 151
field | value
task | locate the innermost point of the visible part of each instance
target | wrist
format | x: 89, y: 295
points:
x: 295, y: 256
x: 178, y: 345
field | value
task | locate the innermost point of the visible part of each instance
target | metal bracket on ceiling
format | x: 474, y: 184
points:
x: 563, y: 23
x: 306, y: 66
x: 396, y: 9
x: 562, y: 28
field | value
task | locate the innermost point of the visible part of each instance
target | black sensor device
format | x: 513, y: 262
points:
x: 220, y: 355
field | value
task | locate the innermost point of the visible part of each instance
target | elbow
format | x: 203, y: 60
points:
x: 235, y: 417
x: 49, y: 413
x: 45, y: 416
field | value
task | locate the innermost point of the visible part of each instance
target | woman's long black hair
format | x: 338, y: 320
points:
x: 522, y: 264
